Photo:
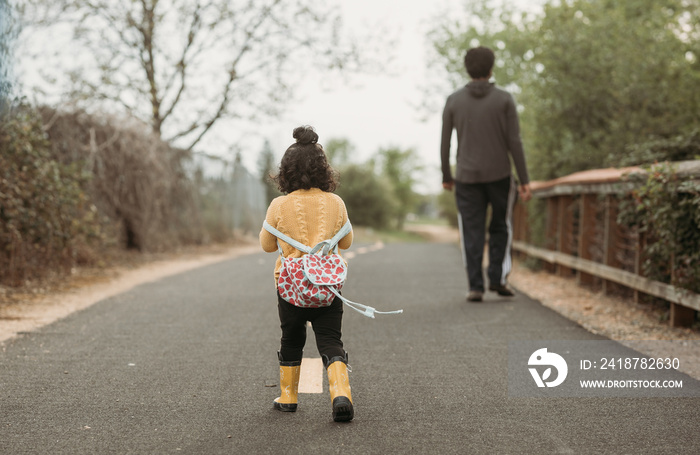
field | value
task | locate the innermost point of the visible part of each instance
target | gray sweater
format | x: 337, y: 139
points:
x: 488, y: 131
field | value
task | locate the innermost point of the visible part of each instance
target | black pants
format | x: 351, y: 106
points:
x: 326, y: 323
x: 473, y: 200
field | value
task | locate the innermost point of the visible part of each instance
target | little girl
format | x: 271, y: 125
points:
x: 309, y: 213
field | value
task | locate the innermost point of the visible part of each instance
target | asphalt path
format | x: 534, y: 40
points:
x: 188, y: 364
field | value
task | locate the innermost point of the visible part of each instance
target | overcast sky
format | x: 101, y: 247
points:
x: 374, y: 111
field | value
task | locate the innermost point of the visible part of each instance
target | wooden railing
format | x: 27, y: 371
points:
x: 583, y: 239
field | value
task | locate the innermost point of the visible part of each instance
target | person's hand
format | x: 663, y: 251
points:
x: 525, y: 192
x: 449, y: 186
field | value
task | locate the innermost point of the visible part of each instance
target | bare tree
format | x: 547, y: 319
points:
x: 184, y: 65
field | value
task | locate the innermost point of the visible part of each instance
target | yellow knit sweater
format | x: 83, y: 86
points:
x: 307, y: 216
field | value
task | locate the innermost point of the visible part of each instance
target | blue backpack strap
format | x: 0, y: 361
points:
x: 326, y: 245
x: 364, y: 310
x: 345, y: 230
x: 298, y: 245
x: 332, y: 244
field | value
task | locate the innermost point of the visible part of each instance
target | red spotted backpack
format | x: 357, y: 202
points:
x: 315, y: 279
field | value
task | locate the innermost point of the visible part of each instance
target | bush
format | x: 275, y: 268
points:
x: 667, y: 210
x: 369, y: 198
x: 45, y: 216
x: 139, y: 182
x: 678, y: 148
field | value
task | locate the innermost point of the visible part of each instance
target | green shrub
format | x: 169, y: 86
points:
x: 368, y: 197
x: 45, y: 217
x: 666, y: 210
x: 677, y: 148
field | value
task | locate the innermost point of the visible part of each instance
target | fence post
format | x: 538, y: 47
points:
x: 610, y: 240
x: 638, y: 257
x: 680, y: 316
x: 524, y: 223
x: 551, y: 230
x: 565, y: 224
x: 586, y: 231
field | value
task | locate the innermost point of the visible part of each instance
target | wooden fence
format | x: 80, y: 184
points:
x: 583, y: 239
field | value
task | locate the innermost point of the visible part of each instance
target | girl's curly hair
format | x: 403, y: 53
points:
x: 304, y: 165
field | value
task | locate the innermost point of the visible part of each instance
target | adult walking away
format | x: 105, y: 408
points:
x: 488, y: 135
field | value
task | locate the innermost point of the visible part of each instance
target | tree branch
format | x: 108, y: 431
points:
x: 148, y: 62
x: 182, y: 64
x: 251, y: 28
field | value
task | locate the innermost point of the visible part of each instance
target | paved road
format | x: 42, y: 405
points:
x: 185, y: 365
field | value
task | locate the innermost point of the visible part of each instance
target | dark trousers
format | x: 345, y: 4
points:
x: 326, y: 323
x: 473, y: 200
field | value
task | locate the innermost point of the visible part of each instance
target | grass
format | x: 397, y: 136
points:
x: 368, y: 235
x: 428, y: 221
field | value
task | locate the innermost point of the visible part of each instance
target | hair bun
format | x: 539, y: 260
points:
x: 305, y: 135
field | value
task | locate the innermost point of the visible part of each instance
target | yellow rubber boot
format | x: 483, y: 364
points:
x: 289, y: 386
x: 339, y: 386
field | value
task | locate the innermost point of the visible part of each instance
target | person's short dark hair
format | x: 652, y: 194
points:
x: 479, y: 62
x: 304, y: 165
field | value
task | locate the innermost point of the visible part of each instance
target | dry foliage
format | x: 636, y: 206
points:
x: 43, y: 210
x: 137, y: 181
